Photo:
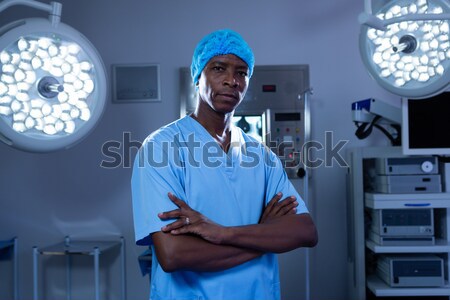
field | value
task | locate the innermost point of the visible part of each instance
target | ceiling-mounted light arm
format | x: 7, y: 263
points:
x: 368, y: 18
x: 54, y: 8
x: 368, y: 7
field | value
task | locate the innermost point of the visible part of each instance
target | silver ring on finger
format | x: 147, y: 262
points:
x: 187, y: 221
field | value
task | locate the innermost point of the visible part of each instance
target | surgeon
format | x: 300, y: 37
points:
x: 214, y: 204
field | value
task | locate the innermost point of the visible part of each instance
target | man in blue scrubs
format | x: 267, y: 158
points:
x: 214, y: 204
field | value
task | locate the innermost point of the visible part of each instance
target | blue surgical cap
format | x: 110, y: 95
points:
x: 220, y: 42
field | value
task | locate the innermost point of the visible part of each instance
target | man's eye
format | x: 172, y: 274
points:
x: 243, y: 74
x: 218, y: 68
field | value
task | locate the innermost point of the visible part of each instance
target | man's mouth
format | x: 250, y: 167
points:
x: 227, y: 95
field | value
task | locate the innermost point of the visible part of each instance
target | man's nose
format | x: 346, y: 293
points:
x: 231, y: 80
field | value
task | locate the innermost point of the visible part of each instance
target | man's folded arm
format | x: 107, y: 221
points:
x: 192, y: 253
x: 277, y: 235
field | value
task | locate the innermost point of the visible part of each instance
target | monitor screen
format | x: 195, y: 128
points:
x: 426, y: 125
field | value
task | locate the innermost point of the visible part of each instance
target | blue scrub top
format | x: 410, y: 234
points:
x: 230, y: 189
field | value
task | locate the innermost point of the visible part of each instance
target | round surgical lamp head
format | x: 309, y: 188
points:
x: 52, y: 85
x: 410, y: 58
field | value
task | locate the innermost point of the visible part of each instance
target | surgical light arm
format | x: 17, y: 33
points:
x: 369, y: 113
x: 54, y: 8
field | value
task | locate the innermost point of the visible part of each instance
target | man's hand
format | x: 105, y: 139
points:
x: 280, y: 229
x: 276, y: 208
x: 191, y: 221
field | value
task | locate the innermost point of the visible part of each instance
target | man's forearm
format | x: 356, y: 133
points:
x: 279, y: 235
x: 186, y: 252
x: 194, y: 242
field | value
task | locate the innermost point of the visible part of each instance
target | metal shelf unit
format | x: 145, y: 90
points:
x: 70, y: 248
x: 360, y: 280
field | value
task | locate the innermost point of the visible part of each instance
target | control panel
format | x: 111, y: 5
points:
x: 286, y: 138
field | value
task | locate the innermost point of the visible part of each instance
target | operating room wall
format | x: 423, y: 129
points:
x: 45, y: 197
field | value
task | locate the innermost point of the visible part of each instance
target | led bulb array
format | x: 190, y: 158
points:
x: 23, y: 65
x: 411, y: 51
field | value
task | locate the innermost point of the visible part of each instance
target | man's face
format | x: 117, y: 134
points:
x: 223, y: 83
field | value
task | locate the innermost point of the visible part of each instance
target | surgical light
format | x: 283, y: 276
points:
x: 52, y: 82
x: 405, y: 46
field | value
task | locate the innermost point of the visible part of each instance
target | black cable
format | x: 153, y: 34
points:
x: 365, y: 129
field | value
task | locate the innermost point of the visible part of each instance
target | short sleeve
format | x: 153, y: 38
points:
x: 155, y: 174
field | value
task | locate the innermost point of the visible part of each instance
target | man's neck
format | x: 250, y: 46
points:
x: 217, y: 124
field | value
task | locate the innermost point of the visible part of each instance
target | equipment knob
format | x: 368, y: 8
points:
x: 301, y: 172
x: 427, y: 166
